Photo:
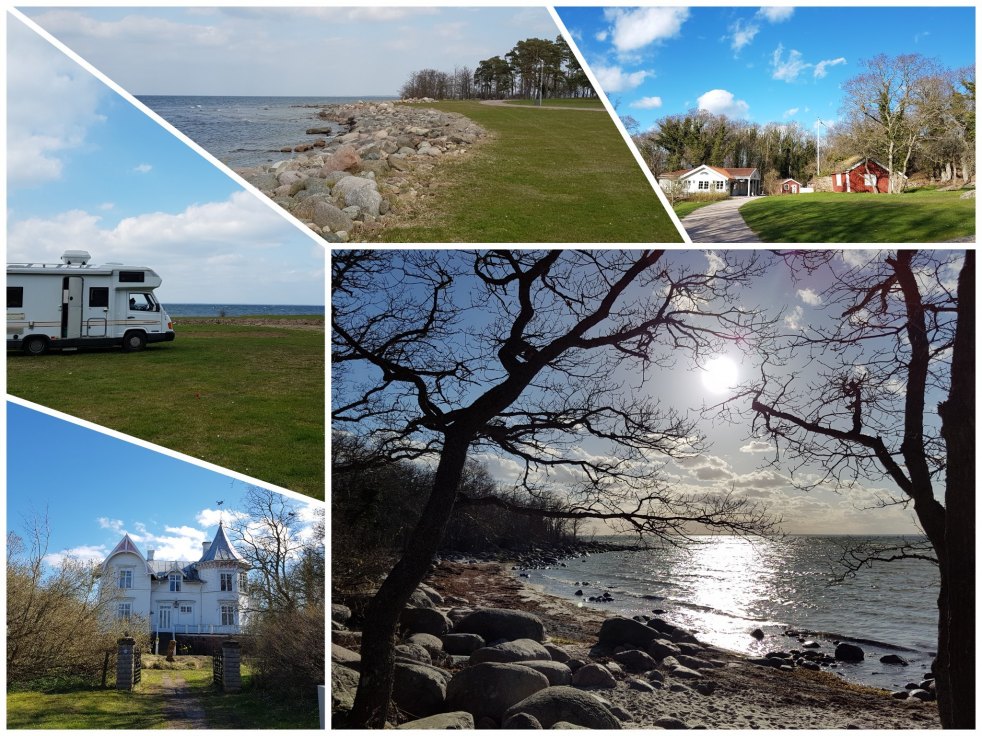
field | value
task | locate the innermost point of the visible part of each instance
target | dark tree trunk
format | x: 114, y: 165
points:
x: 371, y: 708
x: 955, y: 666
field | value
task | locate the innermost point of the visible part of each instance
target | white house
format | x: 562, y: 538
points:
x: 714, y: 180
x: 208, y: 597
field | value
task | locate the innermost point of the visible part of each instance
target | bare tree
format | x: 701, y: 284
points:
x: 904, y: 342
x: 521, y: 352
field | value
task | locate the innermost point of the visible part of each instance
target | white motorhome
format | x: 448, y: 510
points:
x: 73, y: 304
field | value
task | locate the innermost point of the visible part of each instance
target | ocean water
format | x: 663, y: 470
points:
x: 246, y: 131
x: 723, y: 588
x: 241, y: 310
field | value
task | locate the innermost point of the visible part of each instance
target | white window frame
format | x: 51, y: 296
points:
x: 125, y: 580
x: 227, y: 611
x: 870, y: 180
x: 720, y: 185
x: 703, y: 184
x: 243, y: 582
x: 174, y: 582
x: 186, y: 609
x: 124, y: 610
x: 222, y: 578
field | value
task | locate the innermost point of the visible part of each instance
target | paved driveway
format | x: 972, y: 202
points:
x: 720, y: 223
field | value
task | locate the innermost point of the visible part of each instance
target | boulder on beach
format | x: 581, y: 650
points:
x: 488, y: 690
x: 661, y: 648
x: 424, y: 621
x: 566, y: 704
x: 594, y: 675
x: 557, y: 653
x: 849, y: 653
x: 429, y: 642
x: 464, y: 644
x: 634, y: 660
x: 419, y: 689
x: 510, y: 651
x: 345, y: 158
x: 894, y: 659
x: 494, y: 624
x: 357, y: 191
x: 412, y: 653
x: 620, y: 630
x: 521, y: 722
x: 556, y: 672
x: 456, y: 721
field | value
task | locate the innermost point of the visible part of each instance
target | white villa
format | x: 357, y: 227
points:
x: 203, y: 598
x: 714, y: 180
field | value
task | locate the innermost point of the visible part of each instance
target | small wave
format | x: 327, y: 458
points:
x: 857, y: 640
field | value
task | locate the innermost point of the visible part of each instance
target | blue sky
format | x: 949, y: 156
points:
x: 321, y: 51
x: 87, y: 170
x: 111, y: 487
x: 773, y: 64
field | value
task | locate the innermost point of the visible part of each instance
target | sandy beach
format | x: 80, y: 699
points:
x: 745, y: 696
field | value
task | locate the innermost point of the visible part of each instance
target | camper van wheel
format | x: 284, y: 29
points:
x: 133, y: 341
x: 35, y: 345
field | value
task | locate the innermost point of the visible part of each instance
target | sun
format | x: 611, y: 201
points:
x: 720, y: 375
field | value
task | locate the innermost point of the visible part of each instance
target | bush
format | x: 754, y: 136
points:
x: 289, y: 651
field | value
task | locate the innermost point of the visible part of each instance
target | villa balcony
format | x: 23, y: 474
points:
x: 197, y: 629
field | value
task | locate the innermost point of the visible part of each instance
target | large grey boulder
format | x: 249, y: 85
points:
x: 510, y: 651
x: 670, y: 631
x: 323, y: 214
x: 488, y: 690
x: 424, y: 621
x: 661, y: 648
x: 522, y: 722
x: 430, y: 643
x: 557, y: 653
x: 419, y: 689
x: 557, y: 672
x: 413, y: 652
x: 620, y: 630
x: 419, y: 598
x: 339, y: 613
x: 849, y: 653
x: 359, y: 192
x: 500, y: 623
x: 456, y: 721
x: 344, y: 683
x: 556, y: 704
x: 345, y: 656
x: 594, y: 675
x: 634, y: 660
x: 461, y: 643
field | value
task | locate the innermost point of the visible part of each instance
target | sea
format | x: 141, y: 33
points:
x: 242, y: 310
x: 247, y: 131
x: 724, y: 587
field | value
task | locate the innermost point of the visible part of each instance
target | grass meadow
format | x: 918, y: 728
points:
x: 248, y: 397
x: 545, y: 176
x: 144, y: 707
x: 919, y: 216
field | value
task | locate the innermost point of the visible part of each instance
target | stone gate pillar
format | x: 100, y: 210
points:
x: 125, y: 671
x: 231, y: 661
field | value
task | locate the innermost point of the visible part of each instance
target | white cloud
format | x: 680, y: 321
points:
x: 776, y: 14
x: 787, y: 70
x: 755, y: 446
x: 143, y: 168
x: 741, y: 34
x: 41, y: 80
x: 635, y: 29
x: 210, y: 517
x: 133, y: 28
x: 601, y: 36
x: 791, y: 112
x: 211, y: 249
x: 810, y: 297
x: 84, y: 553
x: 647, y: 103
x: 615, y: 79
x: 722, y: 102
x: 820, y: 67
x: 115, y: 524
x: 792, y: 320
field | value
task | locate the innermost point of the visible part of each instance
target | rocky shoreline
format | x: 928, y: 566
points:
x: 480, y: 649
x: 374, y: 171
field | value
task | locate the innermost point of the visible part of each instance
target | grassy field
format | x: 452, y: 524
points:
x: 546, y: 176
x: 249, y: 397
x: 593, y: 102
x: 687, y: 207
x: 915, y: 217
x: 143, y: 708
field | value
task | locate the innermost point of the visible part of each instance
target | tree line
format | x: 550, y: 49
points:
x: 906, y: 111
x: 533, y: 67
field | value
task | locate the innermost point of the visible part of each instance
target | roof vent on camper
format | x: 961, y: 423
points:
x: 75, y: 258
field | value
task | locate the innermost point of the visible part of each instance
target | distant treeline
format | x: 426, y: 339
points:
x: 534, y: 66
x: 376, y: 502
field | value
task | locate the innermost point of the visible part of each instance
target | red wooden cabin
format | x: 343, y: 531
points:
x: 790, y: 186
x: 865, y: 175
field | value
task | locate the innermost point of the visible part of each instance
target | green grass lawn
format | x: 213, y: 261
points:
x: 249, y: 398
x: 593, y: 102
x: 547, y: 176
x: 687, y: 207
x: 143, y: 707
x: 914, y: 217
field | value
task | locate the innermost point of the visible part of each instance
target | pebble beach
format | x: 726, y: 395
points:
x: 721, y: 690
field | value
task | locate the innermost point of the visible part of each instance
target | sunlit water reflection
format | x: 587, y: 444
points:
x: 724, y: 587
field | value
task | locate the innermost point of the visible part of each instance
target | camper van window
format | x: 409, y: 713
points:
x: 131, y: 277
x: 98, y: 296
x: 15, y: 297
x: 142, y: 302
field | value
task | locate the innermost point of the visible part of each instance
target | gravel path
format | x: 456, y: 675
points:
x: 720, y: 223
